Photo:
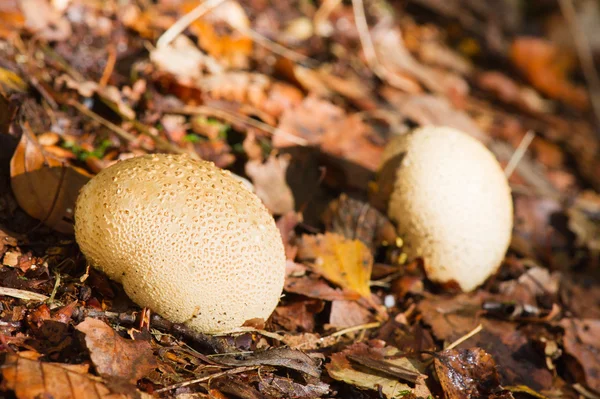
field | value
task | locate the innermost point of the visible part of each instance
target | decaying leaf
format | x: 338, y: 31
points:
x: 469, y: 373
x: 114, y: 356
x: 347, y: 263
x: 45, y: 187
x: 279, y: 357
x: 28, y: 378
x: 280, y: 387
x: 452, y: 317
x: 355, y: 219
x: 270, y: 184
x: 581, y: 342
x: 346, y: 314
x: 379, y: 373
x: 584, y: 220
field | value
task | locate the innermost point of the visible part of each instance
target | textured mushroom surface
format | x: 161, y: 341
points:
x: 185, y: 238
x: 451, y: 202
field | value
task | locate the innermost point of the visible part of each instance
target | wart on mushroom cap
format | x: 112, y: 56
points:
x: 451, y: 202
x: 185, y: 239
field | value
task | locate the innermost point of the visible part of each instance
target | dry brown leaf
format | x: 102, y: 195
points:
x: 346, y: 314
x: 547, y: 68
x: 581, y: 342
x: 45, y: 187
x: 270, y: 184
x: 28, y: 378
x: 469, y: 373
x: 11, y: 19
x: 355, y: 219
x: 340, y: 368
x: 45, y: 20
x: 184, y: 61
x: 347, y: 263
x: 114, y: 356
x: 427, y: 109
x: 584, y: 220
x: 221, y: 33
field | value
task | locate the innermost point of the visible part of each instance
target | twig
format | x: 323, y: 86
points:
x: 277, y: 48
x: 182, y: 23
x: 243, y: 330
x: 209, y: 377
x: 583, y: 391
x: 519, y: 153
x: 585, y: 55
x: 235, y: 118
x: 368, y: 47
x: 22, y: 294
x: 110, y: 65
x: 119, y: 131
x: 465, y: 337
x: 355, y: 328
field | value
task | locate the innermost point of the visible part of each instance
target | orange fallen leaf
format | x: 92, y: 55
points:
x: 547, y: 68
x: 28, y: 378
x: 114, y: 356
x: 347, y: 263
x: 44, y: 186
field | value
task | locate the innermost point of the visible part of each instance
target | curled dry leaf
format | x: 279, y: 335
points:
x: 381, y: 373
x: 581, y: 342
x: 28, y: 378
x: 115, y: 357
x: 347, y: 263
x: 45, y: 187
x: 469, y: 373
x: 270, y: 184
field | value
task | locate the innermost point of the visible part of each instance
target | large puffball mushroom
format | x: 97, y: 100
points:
x: 451, y: 202
x: 184, y: 238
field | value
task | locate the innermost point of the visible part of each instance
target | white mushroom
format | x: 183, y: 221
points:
x: 185, y: 238
x: 451, y: 202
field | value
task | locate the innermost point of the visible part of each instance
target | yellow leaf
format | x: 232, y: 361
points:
x: 347, y: 263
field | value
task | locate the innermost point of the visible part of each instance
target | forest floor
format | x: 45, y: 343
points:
x: 300, y: 98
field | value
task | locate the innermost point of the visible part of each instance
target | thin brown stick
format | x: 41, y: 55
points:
x: 368, y: 47
x: 465, y: 337
x: 237, y: 118
x: 584, y: 53
x: 110, y: 66
x: 118, y: 130
x: 519, y: 153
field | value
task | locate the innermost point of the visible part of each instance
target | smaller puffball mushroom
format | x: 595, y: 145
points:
x: 184, y: 238
x: 451, y: 202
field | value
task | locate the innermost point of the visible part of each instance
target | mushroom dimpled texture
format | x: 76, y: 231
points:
x: 184, y: 238
x: 451, y: 202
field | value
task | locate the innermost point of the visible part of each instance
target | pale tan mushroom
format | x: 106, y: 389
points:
x: 451, y: 202
x: 185, y: 238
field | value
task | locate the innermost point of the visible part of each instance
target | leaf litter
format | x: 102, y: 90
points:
x: 301, y: 98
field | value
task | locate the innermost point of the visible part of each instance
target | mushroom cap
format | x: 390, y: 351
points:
x: 451, y: 202
x: 184, y: 238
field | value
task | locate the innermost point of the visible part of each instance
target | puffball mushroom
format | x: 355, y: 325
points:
x: 451, y: 202
x: 184, y: 238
